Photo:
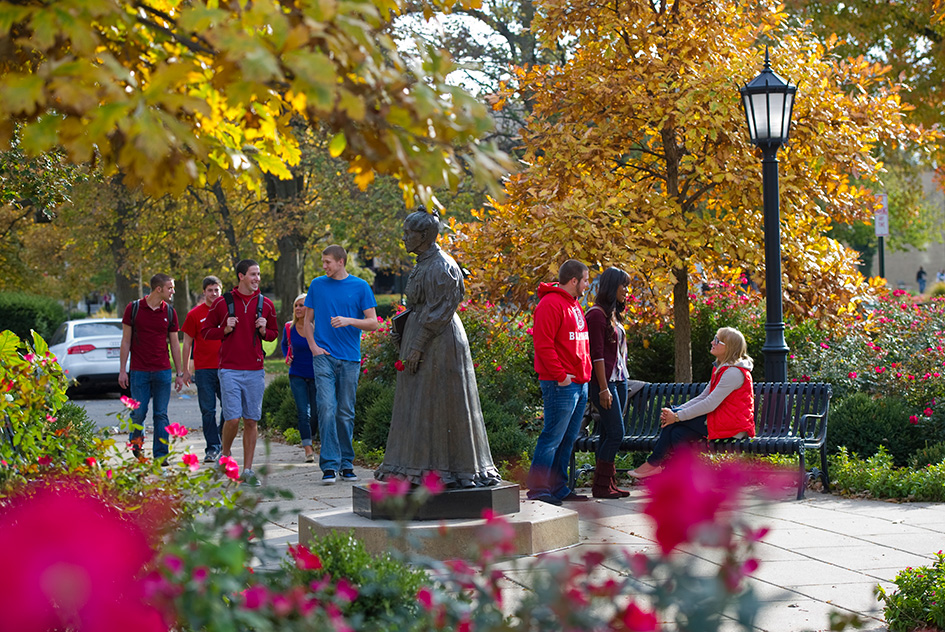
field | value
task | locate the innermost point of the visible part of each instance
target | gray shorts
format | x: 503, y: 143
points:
x: 241, y: 393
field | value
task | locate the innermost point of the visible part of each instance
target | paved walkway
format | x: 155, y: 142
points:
x: 822, y: 554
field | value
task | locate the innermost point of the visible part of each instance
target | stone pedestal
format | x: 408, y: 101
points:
x: 538, y: 527
x: 452, y: 504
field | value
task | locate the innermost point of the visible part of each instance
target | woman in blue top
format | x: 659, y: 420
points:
x: 301, y: 375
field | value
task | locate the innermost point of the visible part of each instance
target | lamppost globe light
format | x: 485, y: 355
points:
x: 769, y: 102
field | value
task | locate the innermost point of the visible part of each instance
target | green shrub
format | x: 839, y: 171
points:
x: 74, y: 419
x: 368, y: 392
x: 377, y: 416
x: 20, y: 312
x: 862, y: 424
x: 507, y: 436
x: 278, y: 409
x: 932, y: 455
x: 292, y: 436
x: 76, y: 315
x: 387, y: 305
x: 876, y: 477
x: 918, y: 602
x: 387, y: 587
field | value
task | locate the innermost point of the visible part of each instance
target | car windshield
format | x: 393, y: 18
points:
x: 86, y: 330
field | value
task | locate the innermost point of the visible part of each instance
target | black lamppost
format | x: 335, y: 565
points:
x: 768, y: 102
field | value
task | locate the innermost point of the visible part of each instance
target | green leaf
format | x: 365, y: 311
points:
x: 22, y: 94
x: 337, y: 145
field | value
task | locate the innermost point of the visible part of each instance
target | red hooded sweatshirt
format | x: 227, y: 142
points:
x: 560, y: 336
x: 241, y: 348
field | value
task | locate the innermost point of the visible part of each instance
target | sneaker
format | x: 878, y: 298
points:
x: 310, y: 458
x: 213, y: 455
x: 329, y: 477
x: 137, y: 452
x: 348, y: 475
x: 249, y: 477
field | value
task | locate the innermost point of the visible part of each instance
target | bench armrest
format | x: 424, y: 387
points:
x: 802, y: 426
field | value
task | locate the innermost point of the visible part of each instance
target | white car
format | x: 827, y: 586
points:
x: 88, y: 350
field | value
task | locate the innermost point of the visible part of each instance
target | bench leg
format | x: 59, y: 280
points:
x: 802, y: 476
x: 572, y: 474
x: 823, y: 468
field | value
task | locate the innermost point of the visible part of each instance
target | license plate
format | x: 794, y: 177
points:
x: 112, y: 353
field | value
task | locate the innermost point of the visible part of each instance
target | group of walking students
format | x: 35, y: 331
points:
x: 584, y: 354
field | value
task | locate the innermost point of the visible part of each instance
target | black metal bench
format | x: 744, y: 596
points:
x: 789, y: 419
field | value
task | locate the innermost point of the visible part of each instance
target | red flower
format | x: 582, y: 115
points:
x: 685, y: 496
x: 230, y: 467
x: 425, y: 598
x: 880, y: 369
x: 635, y: 619
x: 130, y: 404
x: 928, y: 412
x: 85, y: 577
x: 176, y: 430
x: 44, y: 460
x: 914, y: 420
x: 90, y: 461
x: 852, y: 375
x: 255, y: 598
x: 191, y: 461
x: 433, y: 483
x: 399, y: 365
x: 346, y: 591
x: 305, y: 560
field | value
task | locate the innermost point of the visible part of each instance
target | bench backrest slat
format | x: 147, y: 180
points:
x: 779, y: 407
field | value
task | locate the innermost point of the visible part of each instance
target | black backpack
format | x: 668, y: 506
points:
x: 231, y: 307
x: 168, y: 310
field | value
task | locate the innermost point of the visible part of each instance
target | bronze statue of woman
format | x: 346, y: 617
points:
x: 437, y: 421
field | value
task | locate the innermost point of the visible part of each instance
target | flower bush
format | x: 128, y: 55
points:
x: 919, y: 601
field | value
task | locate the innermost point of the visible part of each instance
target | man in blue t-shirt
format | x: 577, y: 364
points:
x: 345, y: 307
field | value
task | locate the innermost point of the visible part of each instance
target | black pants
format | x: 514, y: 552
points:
x: 680, y: 433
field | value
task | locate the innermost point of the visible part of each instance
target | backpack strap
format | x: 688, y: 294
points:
x: 230, y: 307
x: 134, y: 318
x: 170, y: 317
x: 259, y: 306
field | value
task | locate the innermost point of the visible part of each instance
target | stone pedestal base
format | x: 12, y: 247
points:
x: 538, y: 527
x: 450, y: 505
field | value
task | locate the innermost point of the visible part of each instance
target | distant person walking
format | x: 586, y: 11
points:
x: 920, y: 279
x: 940, y: 277
x: 149, y: 326
x: 338, y: 307
x: 206, y: 364
x: 242, y: 319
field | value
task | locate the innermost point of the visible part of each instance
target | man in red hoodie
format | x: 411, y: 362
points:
x: 563, y: 363
x: 242, y: 376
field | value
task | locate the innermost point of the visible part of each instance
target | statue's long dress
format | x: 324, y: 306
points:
x: 437, y: 421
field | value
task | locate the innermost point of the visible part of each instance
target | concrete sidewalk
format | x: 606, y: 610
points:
x: 822, y: 554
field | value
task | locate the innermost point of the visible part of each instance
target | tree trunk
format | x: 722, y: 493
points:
x: 682, y: 326
x: 125, y: 284
x: 284, y: 202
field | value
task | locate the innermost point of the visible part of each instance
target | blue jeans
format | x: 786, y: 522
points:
x: 208, y: 392
x: 336, y: 384
x: 688, y: 432
x: 303, y: 391
x: 147, y: 386
x: 610, y: 427
x: 564, y: 410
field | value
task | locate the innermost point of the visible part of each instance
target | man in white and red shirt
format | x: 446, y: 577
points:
x: 563, y: 363
x: 148, y: 326
x: 206, y: 362
x: 242, y: 376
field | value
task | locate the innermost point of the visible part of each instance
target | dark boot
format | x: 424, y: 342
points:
x: 604, y: 486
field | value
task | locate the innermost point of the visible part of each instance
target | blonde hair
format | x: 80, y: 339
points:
x: 735, y: 346
x: 300, y: 297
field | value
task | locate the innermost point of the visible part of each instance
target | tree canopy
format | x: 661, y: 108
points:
x: 638, y: 156
x: 174, y: 93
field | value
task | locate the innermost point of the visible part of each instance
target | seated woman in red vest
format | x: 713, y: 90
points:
x: 724, y: 410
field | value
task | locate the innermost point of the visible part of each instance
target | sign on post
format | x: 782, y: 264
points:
x: 881, y: 217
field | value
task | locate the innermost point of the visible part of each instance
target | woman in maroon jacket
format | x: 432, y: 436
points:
x: 607, y: 389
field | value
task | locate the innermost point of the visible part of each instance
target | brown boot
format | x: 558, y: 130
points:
x: 613, y: 483
x: 604, y: 486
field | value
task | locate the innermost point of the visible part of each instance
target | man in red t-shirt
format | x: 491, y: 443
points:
x: 146, y: 333
x: 206, y: 362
